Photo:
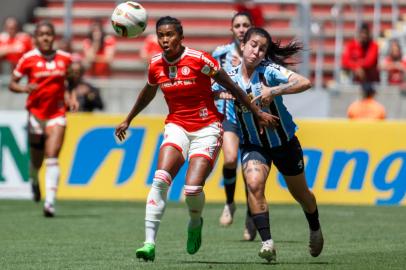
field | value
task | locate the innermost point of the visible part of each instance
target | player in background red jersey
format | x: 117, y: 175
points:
x: 192, y: 128
x: 13, y: 43
x: 46, y: 70
x: 98, y: 50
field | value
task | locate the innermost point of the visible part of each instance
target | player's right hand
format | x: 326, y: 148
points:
x: 223, y: 95
x: 121, y: 130
x: 30, y: 87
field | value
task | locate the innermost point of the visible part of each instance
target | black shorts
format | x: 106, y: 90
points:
x: 230, y: 126
x: 288, y: 158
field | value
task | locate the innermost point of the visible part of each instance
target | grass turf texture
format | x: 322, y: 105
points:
x: 104, y: 235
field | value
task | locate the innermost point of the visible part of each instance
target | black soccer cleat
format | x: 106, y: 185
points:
x: 49, y: 211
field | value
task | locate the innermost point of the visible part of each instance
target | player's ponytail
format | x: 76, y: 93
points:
x: 276, y: 53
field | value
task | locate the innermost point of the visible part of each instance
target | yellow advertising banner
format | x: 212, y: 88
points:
x: 346, y: 162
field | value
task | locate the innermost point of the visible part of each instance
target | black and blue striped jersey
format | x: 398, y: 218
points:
x: 271, y: 75
x: 224, y: 56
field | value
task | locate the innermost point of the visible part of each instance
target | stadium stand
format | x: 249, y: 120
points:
x: 207, y: 24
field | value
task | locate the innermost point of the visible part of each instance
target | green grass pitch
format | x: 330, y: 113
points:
x: 104, y: 235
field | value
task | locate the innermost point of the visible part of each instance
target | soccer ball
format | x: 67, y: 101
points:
x: 129, y: 19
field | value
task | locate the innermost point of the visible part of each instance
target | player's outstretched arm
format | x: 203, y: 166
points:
x: 146, y: 95
x: 264, y: 119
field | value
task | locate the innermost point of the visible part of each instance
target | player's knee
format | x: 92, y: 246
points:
x: 230, y: 161
x: 255, y: 188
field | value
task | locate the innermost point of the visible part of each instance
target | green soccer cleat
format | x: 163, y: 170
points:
x: 194, y: 238
x: 147, y: 252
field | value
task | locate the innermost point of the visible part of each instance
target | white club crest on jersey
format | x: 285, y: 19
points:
x: 50, y: 65
x: 185, y: 71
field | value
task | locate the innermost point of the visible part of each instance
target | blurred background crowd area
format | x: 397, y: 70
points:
x: 353, y: 48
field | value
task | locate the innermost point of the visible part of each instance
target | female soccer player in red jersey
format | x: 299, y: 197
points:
x: 46, y: 70
x: 192, y: 128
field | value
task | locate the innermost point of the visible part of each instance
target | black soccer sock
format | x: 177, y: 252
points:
x: 261, y: 222
x: 313, y: 220
x: 229, y: 177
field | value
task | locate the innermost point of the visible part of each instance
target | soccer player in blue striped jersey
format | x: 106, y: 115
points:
x: 265, y: 81
x: 229, y: 56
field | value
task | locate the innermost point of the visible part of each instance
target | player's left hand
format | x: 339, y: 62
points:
x: 267, y: 120
x: 73, y: 105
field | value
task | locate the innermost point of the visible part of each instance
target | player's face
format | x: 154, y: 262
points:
x: 11, y: 26
x: 44, y: 38
x: 240, y: 26
x: 169, y: 40
x: 254, y: 50
x: 364, y: 36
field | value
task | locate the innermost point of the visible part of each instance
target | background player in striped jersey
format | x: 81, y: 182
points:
x: 259, y: 70
x: 229, y: 56
x: 46, y: 70
x: 192, y: 128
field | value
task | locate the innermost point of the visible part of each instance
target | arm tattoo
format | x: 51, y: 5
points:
x: 287, y: 86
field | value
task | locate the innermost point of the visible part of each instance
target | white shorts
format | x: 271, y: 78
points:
x: 38, y: 126
x: 205, y: 142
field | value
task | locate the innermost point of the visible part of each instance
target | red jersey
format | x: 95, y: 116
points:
x: 186, y: 84
x: 17, y: 45
x: 356, y: 56
x: 255, y: 11
x: 395, y: 73
x: 151, y: 47
x: 100, y: 67
x: 48, y: 100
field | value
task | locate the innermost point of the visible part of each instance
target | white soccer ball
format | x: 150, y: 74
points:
x: 129, y: 19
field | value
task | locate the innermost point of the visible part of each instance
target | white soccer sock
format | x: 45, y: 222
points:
x: 194, y: 198
x: 156, y: 203
x: 51, y: 180
x: 33, y: 174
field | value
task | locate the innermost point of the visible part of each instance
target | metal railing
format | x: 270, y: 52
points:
x: 303, y: 27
